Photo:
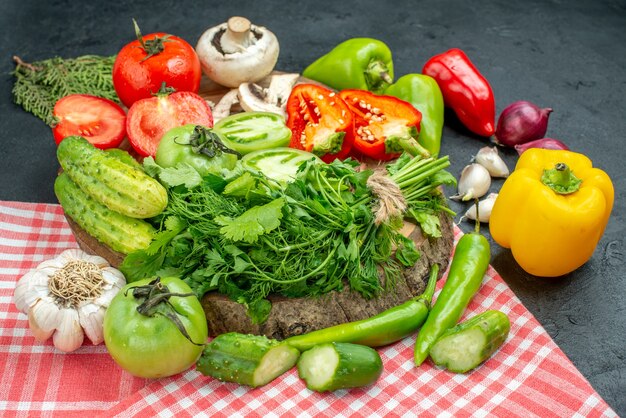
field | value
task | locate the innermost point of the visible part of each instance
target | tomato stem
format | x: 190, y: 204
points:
x: 206, y: 141
x: 156, y: 302
x: 152, y: 46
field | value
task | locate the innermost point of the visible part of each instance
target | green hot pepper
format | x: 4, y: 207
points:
x: 424, y: 94
x: 358, y: 63
x: 385, y: 328
x: 469, y: 264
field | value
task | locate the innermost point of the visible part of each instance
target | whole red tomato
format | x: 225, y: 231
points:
x: 144, y: 64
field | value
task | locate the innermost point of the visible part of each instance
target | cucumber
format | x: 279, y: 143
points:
x: 251, y: 360
x: 117, y: 185
x: 119, y: 232
x: 333, y: 366
x: 468, y: 344
x: 124, y: 157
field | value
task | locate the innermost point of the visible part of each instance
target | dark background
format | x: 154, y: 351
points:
x: 570, y: 56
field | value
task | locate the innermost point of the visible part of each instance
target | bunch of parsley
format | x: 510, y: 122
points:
x: 247, y: 236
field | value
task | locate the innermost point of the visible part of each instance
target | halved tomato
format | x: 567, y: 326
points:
x: 101, y: 121
x: 149, y: 119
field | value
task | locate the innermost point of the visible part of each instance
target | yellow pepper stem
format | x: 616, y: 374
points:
x: 561, y: 179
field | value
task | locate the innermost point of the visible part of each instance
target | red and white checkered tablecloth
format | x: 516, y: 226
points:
x: 528, y: 376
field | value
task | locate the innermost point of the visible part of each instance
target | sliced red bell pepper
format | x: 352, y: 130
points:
x: 320, y: 122
x: 464, y: 89
x: 385, y: 126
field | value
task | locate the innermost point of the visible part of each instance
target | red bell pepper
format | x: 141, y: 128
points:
x: 464, y: 90
x: 320, y: 122
x: 385, y: 126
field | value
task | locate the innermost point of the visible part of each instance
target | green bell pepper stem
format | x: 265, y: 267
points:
x: 358, y: 63
x: 424, y: 94
x: 379, y: 330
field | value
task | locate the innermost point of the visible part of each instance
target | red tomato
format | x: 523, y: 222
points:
x: 149, y: 119
x: 138, y: 72
x: 100, y: 121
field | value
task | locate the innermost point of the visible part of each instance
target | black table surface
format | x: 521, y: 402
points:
x: 570, y: 56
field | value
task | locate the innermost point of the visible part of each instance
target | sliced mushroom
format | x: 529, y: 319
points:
x: 225, y: 105
x: 237, y: 52
x: 253, y: 97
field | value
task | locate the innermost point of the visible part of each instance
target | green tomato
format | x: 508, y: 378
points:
x: 150, y: 345
x: 252, y: 131
x: 194, y: 145
x: 280, y: 164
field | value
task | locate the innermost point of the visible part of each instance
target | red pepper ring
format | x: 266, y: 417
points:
x: 320, y: 122
x: 464, y: 90
x: 385, y: 126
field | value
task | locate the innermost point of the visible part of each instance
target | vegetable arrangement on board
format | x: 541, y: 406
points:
x: 275, y: 201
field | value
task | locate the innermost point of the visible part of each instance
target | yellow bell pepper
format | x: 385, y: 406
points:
x: 552, y: 211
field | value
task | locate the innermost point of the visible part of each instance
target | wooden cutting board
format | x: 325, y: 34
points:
x: 293, y: 316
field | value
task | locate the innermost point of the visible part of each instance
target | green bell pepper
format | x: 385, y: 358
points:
x: 358, y: 63
x: 424, y: 94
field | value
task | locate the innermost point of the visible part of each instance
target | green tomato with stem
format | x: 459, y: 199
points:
x: 201, y: 147
x: 155, y: 327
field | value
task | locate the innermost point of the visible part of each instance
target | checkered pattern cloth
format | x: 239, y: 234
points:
x: 528, y: 376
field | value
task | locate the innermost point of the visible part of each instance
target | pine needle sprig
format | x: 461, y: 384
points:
x: 39, y: 85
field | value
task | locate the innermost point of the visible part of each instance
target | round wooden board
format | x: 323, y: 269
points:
x: 293, y: 316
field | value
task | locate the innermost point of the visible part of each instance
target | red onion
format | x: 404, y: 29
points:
x: 545, y: 143
x: 521, y: 122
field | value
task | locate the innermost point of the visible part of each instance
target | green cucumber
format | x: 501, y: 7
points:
x: 468, y: 344
x: 119, y: 232
x: 116, y: 184
x: 252, y: 360
x: 124, y: 157
x: 333, y: 366
x: 252, y: 131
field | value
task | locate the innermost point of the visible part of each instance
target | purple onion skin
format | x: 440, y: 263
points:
x: 545, y: 143
x: 521, y: 122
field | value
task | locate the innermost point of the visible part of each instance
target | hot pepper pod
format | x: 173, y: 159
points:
x: 358, y: 63
x: 465, y: 90
x: 424, y: 94
x: 382, y: 329
x: 552, y: 211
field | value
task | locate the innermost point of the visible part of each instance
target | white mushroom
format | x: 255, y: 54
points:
x: 253, y: 97
x: 237, y: 52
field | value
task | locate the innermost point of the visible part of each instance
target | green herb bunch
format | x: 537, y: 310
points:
x: 248, y: 237
x: 40, y: 84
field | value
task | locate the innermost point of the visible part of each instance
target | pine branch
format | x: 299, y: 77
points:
x: 39, y: 85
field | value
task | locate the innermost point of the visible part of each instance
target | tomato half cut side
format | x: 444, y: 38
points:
x: 320, y: 122
x: 149, y: 119
x: 101, y: 121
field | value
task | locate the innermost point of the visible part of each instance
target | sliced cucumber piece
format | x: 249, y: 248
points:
x: 467, y: 345
x: 334, y: 366
x: 251, y: 360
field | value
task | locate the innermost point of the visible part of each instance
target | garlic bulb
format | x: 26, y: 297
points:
x: 491, y: 160
x: 65, y: 298
x: 474, y: 183
x: 484, y: 209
